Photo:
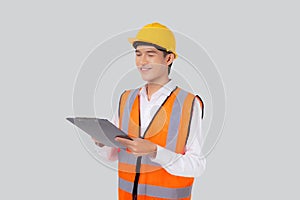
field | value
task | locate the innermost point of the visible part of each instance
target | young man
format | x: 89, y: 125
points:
x: 165, y: 123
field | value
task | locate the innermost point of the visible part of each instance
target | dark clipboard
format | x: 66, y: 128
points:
x: 100, y: 129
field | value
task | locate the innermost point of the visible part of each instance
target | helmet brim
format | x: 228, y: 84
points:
x: 132, y: 40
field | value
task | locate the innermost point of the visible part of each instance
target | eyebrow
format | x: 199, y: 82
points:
x: 151, y: 51
x: 147, y: 51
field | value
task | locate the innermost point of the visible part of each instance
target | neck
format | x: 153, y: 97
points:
x: 153, y: 87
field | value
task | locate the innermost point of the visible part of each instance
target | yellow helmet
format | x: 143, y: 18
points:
x: 157, y: 34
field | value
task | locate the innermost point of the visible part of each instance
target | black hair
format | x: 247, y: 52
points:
x: 164, y: 50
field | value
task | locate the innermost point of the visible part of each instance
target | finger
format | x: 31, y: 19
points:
x: 123, y: 141
x: 97, y: 142
x: 138, y: 139
x: 126, y: 145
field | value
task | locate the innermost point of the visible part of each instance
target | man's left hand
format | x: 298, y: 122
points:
x: 139, y: 146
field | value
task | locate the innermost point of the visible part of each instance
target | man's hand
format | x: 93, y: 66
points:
x: 138, y: 146
x: 98, y: 143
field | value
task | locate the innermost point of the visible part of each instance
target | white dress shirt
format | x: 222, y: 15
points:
x: 192, y: 163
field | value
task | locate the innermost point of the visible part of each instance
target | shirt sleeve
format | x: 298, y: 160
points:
x: 109, y: 153
x: 192, y: 163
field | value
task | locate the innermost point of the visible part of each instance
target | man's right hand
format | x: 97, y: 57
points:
x: 98, y: 143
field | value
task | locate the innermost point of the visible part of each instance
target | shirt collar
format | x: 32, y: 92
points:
x: 164, y: 90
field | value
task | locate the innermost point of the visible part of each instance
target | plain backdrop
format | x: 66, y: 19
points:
x: 255, y: 45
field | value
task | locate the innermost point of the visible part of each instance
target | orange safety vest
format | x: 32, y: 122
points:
x: 139, y: 177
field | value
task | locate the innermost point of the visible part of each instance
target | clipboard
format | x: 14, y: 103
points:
x: 100, y: 129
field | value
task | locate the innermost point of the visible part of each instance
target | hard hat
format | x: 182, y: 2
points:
x: 158, y: 34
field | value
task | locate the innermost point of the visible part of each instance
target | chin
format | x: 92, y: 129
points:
x: 145, y: 78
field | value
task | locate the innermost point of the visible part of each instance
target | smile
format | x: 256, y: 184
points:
x: 145, y: 68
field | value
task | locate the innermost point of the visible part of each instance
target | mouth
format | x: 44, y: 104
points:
x: 143, y: 69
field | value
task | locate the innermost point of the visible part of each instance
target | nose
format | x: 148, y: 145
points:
x: 142, y: 60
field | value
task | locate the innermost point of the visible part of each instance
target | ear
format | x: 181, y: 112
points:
x: 170, y: 58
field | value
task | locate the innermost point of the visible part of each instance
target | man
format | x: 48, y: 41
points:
x: 164, y: 121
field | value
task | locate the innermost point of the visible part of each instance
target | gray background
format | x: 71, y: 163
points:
x: 253, y: 43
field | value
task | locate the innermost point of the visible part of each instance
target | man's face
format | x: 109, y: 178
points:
x: 152, y: 64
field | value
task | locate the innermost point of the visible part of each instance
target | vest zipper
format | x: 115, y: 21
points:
x: 136, y: 178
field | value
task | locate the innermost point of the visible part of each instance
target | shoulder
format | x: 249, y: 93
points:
x: 129, y: 93
x: 195, y: 98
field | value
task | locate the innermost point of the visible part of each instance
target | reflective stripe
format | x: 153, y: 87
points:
x: 127, y: 109
x: 125, y: 185
x: 156, y: 191
x: 128, y: 158
x: 125, y: 157
x: 147, y: 160
x: 175, y: 120
x: 184, y: 124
